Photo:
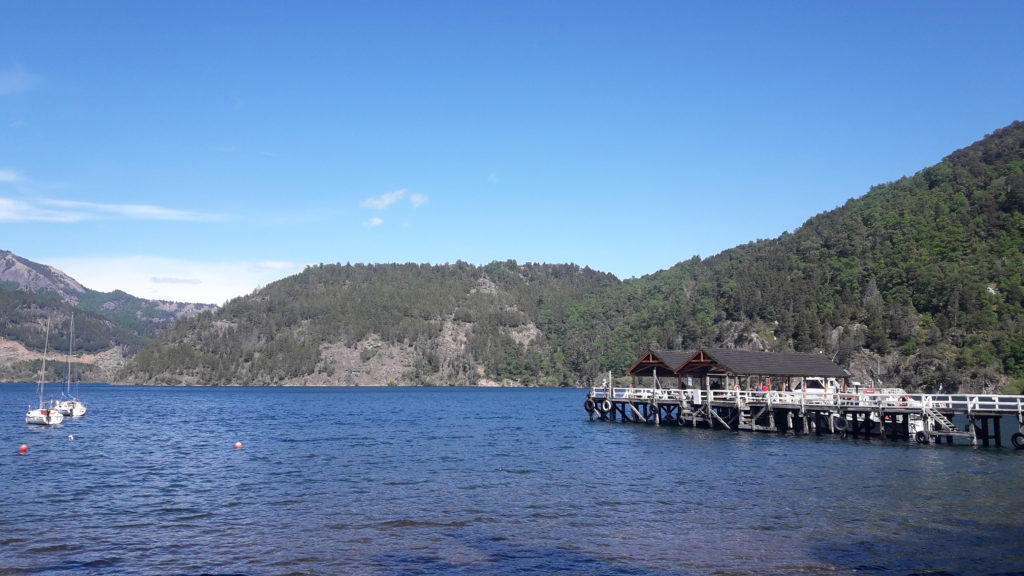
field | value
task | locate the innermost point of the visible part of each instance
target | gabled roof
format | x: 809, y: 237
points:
x: 750, y: 363
x: 666, y: 362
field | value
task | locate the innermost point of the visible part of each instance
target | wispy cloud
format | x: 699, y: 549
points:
x: 51, y: 210
x: 166, y: 280
x: 373, y: 222
x: 160, y: 278
x: 16, y: 80
x: 17, y: 211
x: 384, y: 200
x: 9, y: 175
x: 133, y: 211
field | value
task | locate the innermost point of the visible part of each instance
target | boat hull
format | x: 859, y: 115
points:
x: 72, y: 408
x: 43, y: 416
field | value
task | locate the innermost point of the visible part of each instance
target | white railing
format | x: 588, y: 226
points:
x: 885, y: 398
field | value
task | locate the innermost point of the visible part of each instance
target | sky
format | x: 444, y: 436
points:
x: 196, y: 151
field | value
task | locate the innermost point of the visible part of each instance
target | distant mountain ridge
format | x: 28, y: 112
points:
x: 37, y: 278
x: 917, y: 283
x: 109, y: 327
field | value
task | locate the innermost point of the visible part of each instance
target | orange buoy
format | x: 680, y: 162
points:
x: 238, y: 445
x: 23, y: 448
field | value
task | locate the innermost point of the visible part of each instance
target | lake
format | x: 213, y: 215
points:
x: 466, y: 481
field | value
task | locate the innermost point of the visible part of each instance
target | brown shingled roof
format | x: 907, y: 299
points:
x: 750, y: 363
x: 664, y: 361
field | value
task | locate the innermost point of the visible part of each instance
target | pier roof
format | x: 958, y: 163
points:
x: 751, y: 363
x: 664, y: 361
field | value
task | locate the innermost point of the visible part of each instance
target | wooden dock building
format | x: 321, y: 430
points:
x: 796, y: 393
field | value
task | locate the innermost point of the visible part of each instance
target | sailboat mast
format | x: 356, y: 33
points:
x: 71, y: 344
x: 42, y: 374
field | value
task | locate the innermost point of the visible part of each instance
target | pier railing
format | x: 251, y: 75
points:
x: 882, y: 398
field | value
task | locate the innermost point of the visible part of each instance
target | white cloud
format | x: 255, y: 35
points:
x: 418, y: 200
x: 95, y: 210
x: 18, y: 211
x: 158, y: 278
x: 16, y: 80
x: 373, y: 222
x: 384, y: 200
x: 9, y: 175
x: 163, y: 280
x: 51, y: 210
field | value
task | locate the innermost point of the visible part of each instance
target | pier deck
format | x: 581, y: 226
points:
x: 922, y: 417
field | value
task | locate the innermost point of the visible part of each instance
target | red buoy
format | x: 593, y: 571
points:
x: 238, y: 445
x: 23, y: 448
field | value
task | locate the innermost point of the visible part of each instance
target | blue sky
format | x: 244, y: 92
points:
x: 195, y: 151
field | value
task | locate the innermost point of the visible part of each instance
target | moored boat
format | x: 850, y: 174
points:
x: 70, y: 405
x: 44, y: 414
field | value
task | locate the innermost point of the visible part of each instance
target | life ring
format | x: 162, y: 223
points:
x: 921, y: 437
x: 903, y: 400
x: 606, y: 406
x: 1017, y: 440
x: 589, y: 405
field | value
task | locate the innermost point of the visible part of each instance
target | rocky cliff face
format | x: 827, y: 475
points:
x: 19, y: 364
x: 39, y: 278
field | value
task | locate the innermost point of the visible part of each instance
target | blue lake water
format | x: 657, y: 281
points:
x: 387, y: 481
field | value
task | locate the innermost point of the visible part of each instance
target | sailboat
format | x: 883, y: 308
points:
x: 70, y: 405
x: 44, y: 415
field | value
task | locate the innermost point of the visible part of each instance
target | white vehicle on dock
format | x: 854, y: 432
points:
x: 817, y: 386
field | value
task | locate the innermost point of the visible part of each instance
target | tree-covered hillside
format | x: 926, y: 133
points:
x: 460, y: 322
x: 923, y: 273
x: 917, y: 283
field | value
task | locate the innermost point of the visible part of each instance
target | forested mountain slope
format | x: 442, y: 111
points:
x: 452, y: 324
x: 917, y: 283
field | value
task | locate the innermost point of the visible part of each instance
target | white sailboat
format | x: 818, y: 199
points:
x: 69, y: 404
x: 44, y: 415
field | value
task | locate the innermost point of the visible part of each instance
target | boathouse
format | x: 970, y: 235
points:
x: 655, y: 363
x: 727, y: 368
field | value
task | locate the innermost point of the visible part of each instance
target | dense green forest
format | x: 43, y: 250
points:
x: 917, y: 283
x: 277, y: 333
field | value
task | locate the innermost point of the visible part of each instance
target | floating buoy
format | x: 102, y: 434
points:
x: 238, y: 445
x: 23, y: 448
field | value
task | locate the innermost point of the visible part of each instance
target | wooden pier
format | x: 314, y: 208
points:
x: 923, y: 418
x: 721, y: 389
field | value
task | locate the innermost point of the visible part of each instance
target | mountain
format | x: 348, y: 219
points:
x: 917, y: 283
x: 109, y: 327
x: 451, y: 324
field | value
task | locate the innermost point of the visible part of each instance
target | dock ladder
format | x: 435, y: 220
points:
x: 942, y: 426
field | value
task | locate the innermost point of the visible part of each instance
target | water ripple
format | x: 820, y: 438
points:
x: 321, y: 489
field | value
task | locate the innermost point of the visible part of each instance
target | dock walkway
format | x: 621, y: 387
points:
x: 924, y: 418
